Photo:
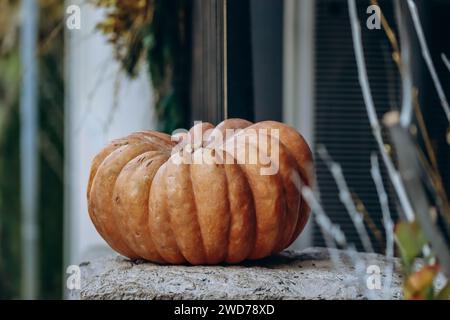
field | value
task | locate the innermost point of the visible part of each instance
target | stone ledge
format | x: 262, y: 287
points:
x: 307, y: 274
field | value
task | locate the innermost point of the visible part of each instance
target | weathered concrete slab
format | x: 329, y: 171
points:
x: 307, y: 274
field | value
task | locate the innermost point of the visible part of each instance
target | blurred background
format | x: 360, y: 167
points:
x: 76, y: 74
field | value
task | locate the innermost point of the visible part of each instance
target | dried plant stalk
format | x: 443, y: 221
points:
x: 446, y: 61
x: 368, y: 220
x: 387, y: 218
x: 346, y: 199
x: 432, y: 166
x: 404, y: 66
x: 427, y: 57
x: 402, y: 59
x: 373, y: 119
x: 411, y: 173
x: 390, y: 35
x: 331, y: 233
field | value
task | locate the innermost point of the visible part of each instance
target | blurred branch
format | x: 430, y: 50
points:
x: 115, y: 105
x: 332, y: 234
x: 373, y: 119
x: 9, y: 90
x: 404, y: 65
x: 432, y: 167
x: 427, y: 57
x: 387, y: 219
x: 424, y: 132
x: 7, y: 111
x: 51, y: 154
x: 411, y: 173
x: 345, y: 197
x: 103, y: 75
x: 401, y: 58
x: 410, y: 94
x: 9, y: 25
x: 390, y: 35
x: 44, y: 45
x: 433, y: 184
x: 446, y: 61
x: 368, y: 220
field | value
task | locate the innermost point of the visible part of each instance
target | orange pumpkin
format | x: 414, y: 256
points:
x: 147, y: 202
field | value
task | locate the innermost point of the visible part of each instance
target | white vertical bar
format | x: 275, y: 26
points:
x: 97, y: 110
x: 29, y: 152
x: 67, y: 223
x: 289, y: 61
x: 298, y: 78
x: 304, y: 117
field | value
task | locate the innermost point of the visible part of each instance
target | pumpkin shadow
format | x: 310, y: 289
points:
x: 286, y: 257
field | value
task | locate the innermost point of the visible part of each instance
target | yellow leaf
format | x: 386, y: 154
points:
x: 419, y: 283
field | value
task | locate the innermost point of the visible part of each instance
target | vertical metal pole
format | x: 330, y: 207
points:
x: 29, y: 152
x: 208, y: 49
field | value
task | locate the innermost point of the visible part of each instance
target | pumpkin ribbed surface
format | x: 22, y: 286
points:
x: 147, y: 202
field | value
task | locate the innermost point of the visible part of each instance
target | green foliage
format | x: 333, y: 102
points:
x: 9, y: 206
x: 158, y: 32
x: 410, y: 241
x: 419, y: 281
x: 444, y: 294
x: 51, y: 126
x: 9, y: 175
x: 51, y: 140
